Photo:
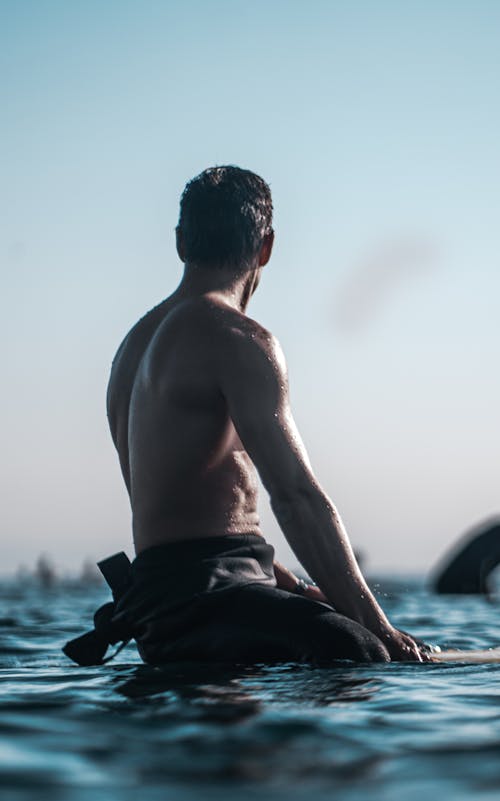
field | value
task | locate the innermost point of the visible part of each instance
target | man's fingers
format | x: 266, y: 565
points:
x: 413, y: 649
x: 420, y: 654
x: 417, y: 649
x: 425, y: 656
x: 404, y: 649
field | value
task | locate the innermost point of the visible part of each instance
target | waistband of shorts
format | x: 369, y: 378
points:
x: 203, y: 548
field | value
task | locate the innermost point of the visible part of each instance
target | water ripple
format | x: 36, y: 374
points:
x: 189, y: 731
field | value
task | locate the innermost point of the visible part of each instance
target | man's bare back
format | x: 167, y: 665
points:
x: 183, y: 462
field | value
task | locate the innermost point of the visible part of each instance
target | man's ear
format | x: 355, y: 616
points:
x: 179, y: 243
x: 266, y: 248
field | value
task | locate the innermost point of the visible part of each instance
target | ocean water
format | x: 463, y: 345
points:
x: 126, y: 731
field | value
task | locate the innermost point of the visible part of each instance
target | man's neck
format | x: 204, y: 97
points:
x: 235, y: 289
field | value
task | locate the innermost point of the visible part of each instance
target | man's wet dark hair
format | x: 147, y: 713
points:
x: 225, y: 213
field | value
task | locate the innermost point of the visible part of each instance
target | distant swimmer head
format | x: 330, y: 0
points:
x: 225, y: 220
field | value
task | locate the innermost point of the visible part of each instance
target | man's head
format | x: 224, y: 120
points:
x: 225, y: 220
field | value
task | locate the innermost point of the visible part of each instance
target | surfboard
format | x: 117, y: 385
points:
x: 471, y: 657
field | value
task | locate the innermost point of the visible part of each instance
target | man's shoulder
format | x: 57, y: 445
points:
x: 241, y: 344
x: 237, y: 331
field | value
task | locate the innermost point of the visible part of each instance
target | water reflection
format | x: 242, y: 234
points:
x: 244, y: 724
x: 214, y: 690
x: 233, y: 694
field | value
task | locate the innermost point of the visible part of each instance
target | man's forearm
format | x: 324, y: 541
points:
x: 317, y: 536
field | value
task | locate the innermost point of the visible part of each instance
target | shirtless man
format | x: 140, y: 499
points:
x: 198, y: 399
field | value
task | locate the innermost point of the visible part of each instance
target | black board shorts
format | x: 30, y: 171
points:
x: 216, y: 600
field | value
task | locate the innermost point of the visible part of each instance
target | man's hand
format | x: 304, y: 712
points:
x: 314, y: 594
x: 286, y: 580
x: 402, y: 647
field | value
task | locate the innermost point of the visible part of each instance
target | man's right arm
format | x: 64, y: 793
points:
x: 254, y: 382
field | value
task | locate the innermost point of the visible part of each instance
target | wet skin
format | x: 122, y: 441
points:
x: 185, y: 467
x: 197, y: 399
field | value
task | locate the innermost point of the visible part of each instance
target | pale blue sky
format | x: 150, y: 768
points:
x: 377, y: 125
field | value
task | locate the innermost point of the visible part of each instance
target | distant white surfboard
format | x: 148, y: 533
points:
x: 472, y: 657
